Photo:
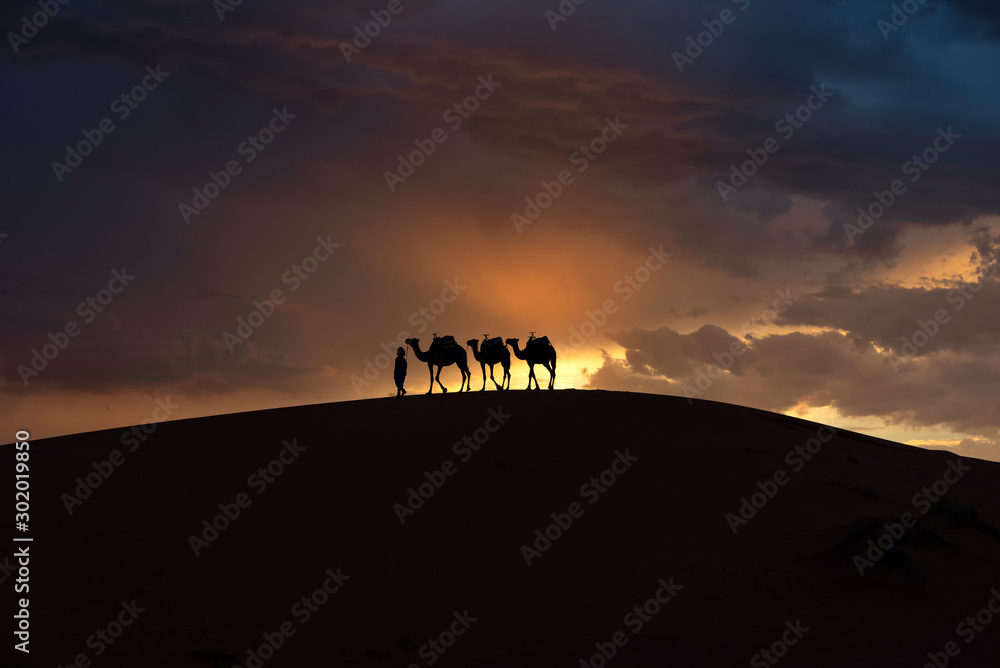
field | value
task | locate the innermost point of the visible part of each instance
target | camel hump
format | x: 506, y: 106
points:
x: 495, y: 342
x: 445, y: 340
x: 540, y: 341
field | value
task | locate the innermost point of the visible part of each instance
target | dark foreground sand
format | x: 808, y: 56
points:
x: 331, y: 511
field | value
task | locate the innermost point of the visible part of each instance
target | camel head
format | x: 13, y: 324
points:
x: 511, y: 342
x: 412, y: 342
x: 472, y: 342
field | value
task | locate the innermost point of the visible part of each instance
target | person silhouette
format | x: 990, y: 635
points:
x: 399, y: 372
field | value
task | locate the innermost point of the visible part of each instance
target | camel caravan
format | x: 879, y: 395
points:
x: 445, y: 351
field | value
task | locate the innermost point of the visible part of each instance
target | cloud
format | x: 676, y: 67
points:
x: 666, y: 353
x: 127, y: 347
x: 656, y: 184
x: 823, y: 370
x: 683, y: 129
x: 963, y: 318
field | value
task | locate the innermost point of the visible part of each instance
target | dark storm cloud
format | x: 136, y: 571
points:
x: 886, y: 103
x: 961, y: 316
x: 947, y: 379
x: 886, y: 316
x: 987, y: 254
x: 667, y: 353
x: 983, y: 15
x: 886, y: 106
x: 782, y: 371
x: 656, y: 182
x: 149, y: 352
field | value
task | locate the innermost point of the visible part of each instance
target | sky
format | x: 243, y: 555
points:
x: 212, y: 207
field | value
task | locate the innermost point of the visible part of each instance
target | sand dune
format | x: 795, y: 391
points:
x: 333, y: 558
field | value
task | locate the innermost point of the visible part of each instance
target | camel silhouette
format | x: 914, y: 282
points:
x: 536, y: 351
x: 493, y: 352
x: 441, y: 355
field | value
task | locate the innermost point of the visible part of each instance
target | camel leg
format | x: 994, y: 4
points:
x: 438, y: 379
x: 531, y: 376
x: 483, y: 366
x: 494, y: 379
x: 506, y: 376
x: 430, y: 369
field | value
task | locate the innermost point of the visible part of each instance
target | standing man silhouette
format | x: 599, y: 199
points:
x: 399, y: 372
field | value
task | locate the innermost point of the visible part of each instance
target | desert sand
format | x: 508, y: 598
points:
x: 454, y: 568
